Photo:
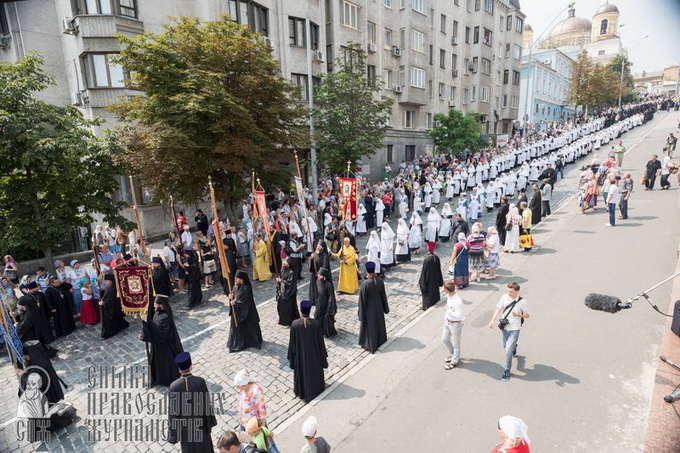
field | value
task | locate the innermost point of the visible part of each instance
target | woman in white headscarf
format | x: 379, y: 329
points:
x: 415, y: 236
x: 361, y: 220
x: 512, y: 238
x: 386, y: 246
x: 513, y: 431
x: 433, y: 221
x: 445, y: 223
x: 402, y: 250
x: 373, y: 250
x: 379, y: 210
x: 427, y: 190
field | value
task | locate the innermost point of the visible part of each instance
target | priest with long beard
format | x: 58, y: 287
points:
x: 245, y: 321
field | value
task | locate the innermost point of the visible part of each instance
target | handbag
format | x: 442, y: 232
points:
x: 508, y: 226
x: 643, y: 180
x: 526, y: 241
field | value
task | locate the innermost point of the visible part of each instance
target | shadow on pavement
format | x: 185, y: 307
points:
x: 583, y: 232
x: 405, y: 344
x: 626, y: 224
x: 645, y: 217
x: 345, y: 392
x: 543, y: 373
x: 492, y: 369
x: 544, y: 250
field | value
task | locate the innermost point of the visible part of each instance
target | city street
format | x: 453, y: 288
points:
x: 577, y: 368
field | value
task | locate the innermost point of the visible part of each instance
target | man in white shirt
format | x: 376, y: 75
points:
x: 613, y: 198
x: 187, y: 239
x: 453, y: 324
x: 513, y: 315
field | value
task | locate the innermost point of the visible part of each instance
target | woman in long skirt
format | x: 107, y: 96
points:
x: 401, y: 250
x: 512, y: 239
x: 459, y: 260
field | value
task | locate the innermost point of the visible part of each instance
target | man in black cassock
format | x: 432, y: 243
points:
x: 230, y: 253
x: 326, y: 305
x: 113, y: 320
x: 191, y: 416
x: 372, y: 310
x: 501, y: 220
x: 535, y: 205
x: 33, y: 324
x: 320, y: 259
x: 431, y: 278
x: 273, y: 239
x: 161, y: 332
x: 286, y: 294
x: 307, y: 355
x: 161, y: 283
x: 369, y: 204
x: 245, y: 321
x: 59, y: 298
x: 193, y: 269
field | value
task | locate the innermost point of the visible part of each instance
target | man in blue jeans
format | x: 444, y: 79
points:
x: 512, y: 308
x: 613, y: 198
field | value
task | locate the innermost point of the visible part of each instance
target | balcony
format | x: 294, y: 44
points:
x: 104, y: 97
x: 107, y: 26
x: 413, y: 96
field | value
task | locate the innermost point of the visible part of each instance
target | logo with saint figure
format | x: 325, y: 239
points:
x: 34, y: 411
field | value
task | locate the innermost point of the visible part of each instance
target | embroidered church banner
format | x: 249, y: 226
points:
x: 132, y: 284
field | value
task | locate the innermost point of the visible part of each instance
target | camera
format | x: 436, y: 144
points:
x: 502, y: 323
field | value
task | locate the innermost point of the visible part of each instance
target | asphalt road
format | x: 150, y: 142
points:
x: 582, y: 380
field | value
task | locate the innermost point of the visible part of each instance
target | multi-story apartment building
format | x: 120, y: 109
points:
x: 430, y: 55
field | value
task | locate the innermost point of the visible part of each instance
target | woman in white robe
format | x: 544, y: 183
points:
x: 415, y: 236
x: 386, y: 246
x: 490, y: 195
x: 361, y: 220
x: 401, y: 250
x: 373, y: 250
x: 445, y: 223
x: 512, y: 238
x: 428, y: 195
x: 436, y: 191
x: 433, y: 221
x: 471, y: 176
x: 449, y: 187
x: 461, y: 208
x: 379, y: 211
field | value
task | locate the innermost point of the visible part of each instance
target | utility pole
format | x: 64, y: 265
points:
x: 310, y: 96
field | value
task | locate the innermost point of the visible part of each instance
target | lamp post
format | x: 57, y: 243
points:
x: 310, y: 95
x: 623, y: 62
x: 530, y: 77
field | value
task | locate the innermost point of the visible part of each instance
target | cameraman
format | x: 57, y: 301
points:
x: 512, y: 309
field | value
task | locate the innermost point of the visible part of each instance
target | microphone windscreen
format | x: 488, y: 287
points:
x: 601, y: 302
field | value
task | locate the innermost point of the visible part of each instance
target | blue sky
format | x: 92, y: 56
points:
x: 660, y: 19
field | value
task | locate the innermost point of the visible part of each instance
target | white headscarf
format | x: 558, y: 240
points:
x: 386, y: 232
x: 327, y: 219
x: 462, y: 237
x: 242, y: 378
x: 402, y: 228
x: 514, y: 428
x: 373, y: 242
x: 433, y: 216
x: 446, y: 210
x: 415, y: 219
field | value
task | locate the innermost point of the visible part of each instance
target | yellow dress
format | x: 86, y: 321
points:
x: 261, y: 270
x: 349, y: 281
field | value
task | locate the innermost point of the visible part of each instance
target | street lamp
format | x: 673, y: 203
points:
x: 531, y: 63
x: 623, y: 62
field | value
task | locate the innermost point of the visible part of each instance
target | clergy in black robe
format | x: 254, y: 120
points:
x: 501, y: 220
x: 193, y: 269
x: 370, y: 211
x: 535, y: 205
x: 326, y: 305
x: 37, y: 356
x: 46, y: 311
x: 161, y: 283
x: 274, y: 248
x: 320, y: 259
x: 307, y: 355
x: 286, y: 295
x: 245, y: 321
x: 59, y: 298
x: 431, y: 278
x: 191, y: 416
x: 522, y: 197
x: 230, y: 253
x: 113, y: 320
x: 161, y: 333
x: 372, y: 310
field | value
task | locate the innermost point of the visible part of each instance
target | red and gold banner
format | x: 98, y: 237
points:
x: 348, y: 188
x: 260, y: 205
x: 133, y: 284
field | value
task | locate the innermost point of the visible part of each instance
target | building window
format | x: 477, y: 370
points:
x: 409, y: 119
x: 466, y: 66
x: 402, y: 38
x: 301, y: 80
x: 452, y: 94
x: 473, y: 98
x: 390, y: 153
x: 443, y: 24
x: 431, y: 18
x: 387, y: 3
x: 454, y: 61
x: 516, y: 52
x: 488, y: 37
x: 370, y: 32
x: 501, y: 23
x: 600, y: 52
x: 508, y: 25
x: 478, y: 5
x: 484, y: 94
x: 515, y: 77
x: 604, y: 25
x: 454, y: 30
x: 488, y: 6
x: 297, y: 33
x: 251, y: 14
x: 506, y: 76
x: 536, y: 112
x: 388, y: 37
x: 429, y: 88
x: 476, y: 36
x: 442, y: 58
x: 4, y: 26
x: 431, y: 54
x: 418, y: 5
x: 514, y: 102
x: 428, y: 121
x: 128, y: 8
x: 465, y: 96
x: 402, y: 4
x: 100, y: 72
x: 505, y: 101
x: 417, y: 77
x: 467, y: 35
x: 519, y: 25
x: 418, y: 41
x: 475, y: 64
x: 387, y: 78
x: 349, y: 15
x: 486, y: 66
x: 98, y: 7
x: 410, y: 151
x: 371, y: 74
x: 441, y: 92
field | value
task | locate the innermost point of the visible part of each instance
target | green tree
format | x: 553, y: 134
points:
x: 215, y: 105
x: 349, y: 114
x: 456, y: 131
x: 581, y: 75
x: 54, y: 172
x: 625, y: 89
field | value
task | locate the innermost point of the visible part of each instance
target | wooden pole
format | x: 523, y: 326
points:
x: 309, y: 230
x: 99, y: 274
x: 8, y: 339
x: 276, y: 267
x: 135, y: 209
x: 173, y: 214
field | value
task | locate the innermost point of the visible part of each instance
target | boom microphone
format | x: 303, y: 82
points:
x: 609, y: 304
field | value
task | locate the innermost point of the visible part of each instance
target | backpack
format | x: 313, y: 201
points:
x: 250, y: 448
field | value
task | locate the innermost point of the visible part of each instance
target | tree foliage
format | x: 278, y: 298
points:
x: 54, y: 172
x: 215, y: 105
x: 592, y: 85
x: 625, y: 89
x: 349, y: 114
x: 455, y: 131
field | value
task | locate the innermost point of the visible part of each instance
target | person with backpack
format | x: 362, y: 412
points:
x: 229, y: 442
x: 512, y: 309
